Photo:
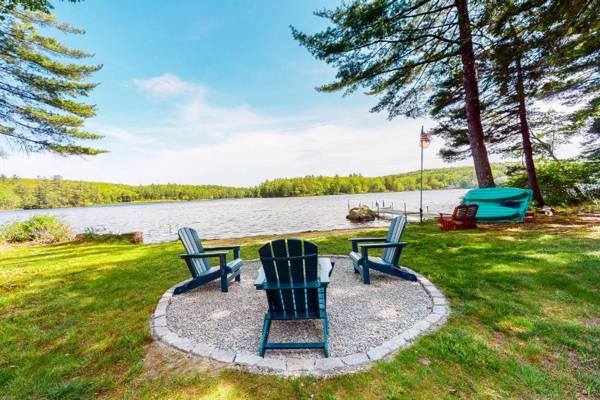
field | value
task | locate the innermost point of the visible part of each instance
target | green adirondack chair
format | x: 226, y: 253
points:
x: 388, y: 262
x: 197, y: 257
x: 295, y: 288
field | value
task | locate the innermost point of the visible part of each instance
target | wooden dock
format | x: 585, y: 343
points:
x: 389, y: 211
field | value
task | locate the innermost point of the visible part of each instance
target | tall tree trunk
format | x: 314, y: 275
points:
x: 527, y: 148
x: 480, y: 157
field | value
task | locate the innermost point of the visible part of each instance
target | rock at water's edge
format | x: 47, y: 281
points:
x: 361, y: 214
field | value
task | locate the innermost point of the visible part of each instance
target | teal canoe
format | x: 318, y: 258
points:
x: 499, y: 204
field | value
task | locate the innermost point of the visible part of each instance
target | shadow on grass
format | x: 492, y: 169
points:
x: 78, y: 327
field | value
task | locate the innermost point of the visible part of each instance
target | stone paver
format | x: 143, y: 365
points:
x: 433, y: 318
x: 326, y: 364
x: 272, y: 363
x: 439, y: 310
x: 295, y: 366
x: 439, y: 301
x: 247, y: 359
x: 410, y: 334
x: 379, y: 352
x: 161, y: 331
x: 355, y: 359
x: 178, y: 342
x: 222, y: 355
x: 300, y: 364
x: 202, y: 350
x: 397, y: 342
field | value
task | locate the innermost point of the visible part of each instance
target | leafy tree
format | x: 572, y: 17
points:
x: 561, y: 182
x: 400, y: 50
x: 40, y: 89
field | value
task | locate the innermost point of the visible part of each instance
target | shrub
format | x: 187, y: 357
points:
x: 562, y: 182
x: 38, y: 228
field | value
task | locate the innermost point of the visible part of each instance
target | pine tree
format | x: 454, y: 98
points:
x: 40, y: 90
x: 591, y: 145
x: 29, y: 5
x: 399, y: 51
x: 517, y: 59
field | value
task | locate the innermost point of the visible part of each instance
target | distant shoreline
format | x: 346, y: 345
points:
x: 55, y: 192
x: 142, y: 202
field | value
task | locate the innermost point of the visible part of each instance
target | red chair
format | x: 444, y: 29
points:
x: 463, y: 217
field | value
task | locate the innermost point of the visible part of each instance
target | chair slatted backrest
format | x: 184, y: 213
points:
x: 292, y: 263
x: 392, y: 254
x: 191, y: 242
x: 460, y: 213
x: 472, y: 212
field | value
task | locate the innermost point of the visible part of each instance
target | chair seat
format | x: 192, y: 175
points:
x: 356, y: 257
x: 321, y: 314
x: 212, y: 272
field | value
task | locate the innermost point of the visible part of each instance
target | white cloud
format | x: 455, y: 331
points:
x: 196, y: 140
x: 165, y: 85
x: 122, y: 136
x: 242, y: 158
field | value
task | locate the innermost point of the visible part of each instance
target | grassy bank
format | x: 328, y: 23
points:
x: 525, y: 321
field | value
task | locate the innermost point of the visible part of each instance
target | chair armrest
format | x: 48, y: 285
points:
x: 235, y: 248
x: 355, y: 241
x: 364, y: 248
x: 221, y: 254
x: 260, y: 279
x: 326, y: 267
x: 383, y: 245
x: 368, y: 239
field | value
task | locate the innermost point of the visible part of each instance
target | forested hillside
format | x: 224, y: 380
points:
x: 56, y: 192
x: 17, y: 193
x: 442, y: 178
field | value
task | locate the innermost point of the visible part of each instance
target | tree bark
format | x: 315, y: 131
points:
x: 476, y: 140
x: 527, y: 147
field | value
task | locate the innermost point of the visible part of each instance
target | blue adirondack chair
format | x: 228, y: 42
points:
x: 295, y: 288
x: 201, y: 270
x: 388, y: 262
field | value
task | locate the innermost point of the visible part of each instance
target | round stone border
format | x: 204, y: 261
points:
x: 295, y: 366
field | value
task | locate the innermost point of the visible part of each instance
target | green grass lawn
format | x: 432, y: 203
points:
x: 525, y: 321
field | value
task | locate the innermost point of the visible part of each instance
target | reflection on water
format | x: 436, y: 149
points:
x: 215, y: 219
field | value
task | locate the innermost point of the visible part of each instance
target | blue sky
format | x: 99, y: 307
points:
x: 218, y: 92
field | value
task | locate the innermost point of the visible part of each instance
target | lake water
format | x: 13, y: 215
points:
x: 216, y: 219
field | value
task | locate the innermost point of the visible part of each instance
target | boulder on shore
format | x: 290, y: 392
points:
x: 361, y: 214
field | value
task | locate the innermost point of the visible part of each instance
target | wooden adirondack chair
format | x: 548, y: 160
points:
x: 463, y: 217
x: 295, y: 288
x: 388, y: 262
x: 201, y: 270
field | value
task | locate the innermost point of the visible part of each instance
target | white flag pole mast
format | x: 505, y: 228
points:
x: 421, y: 203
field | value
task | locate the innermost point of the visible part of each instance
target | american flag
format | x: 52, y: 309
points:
x: 425, y: 139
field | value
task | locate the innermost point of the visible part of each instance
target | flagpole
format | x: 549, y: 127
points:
x: 421, y: 203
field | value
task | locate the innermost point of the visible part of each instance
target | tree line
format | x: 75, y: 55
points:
x: 56, y: 192
x: 433, y: 179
